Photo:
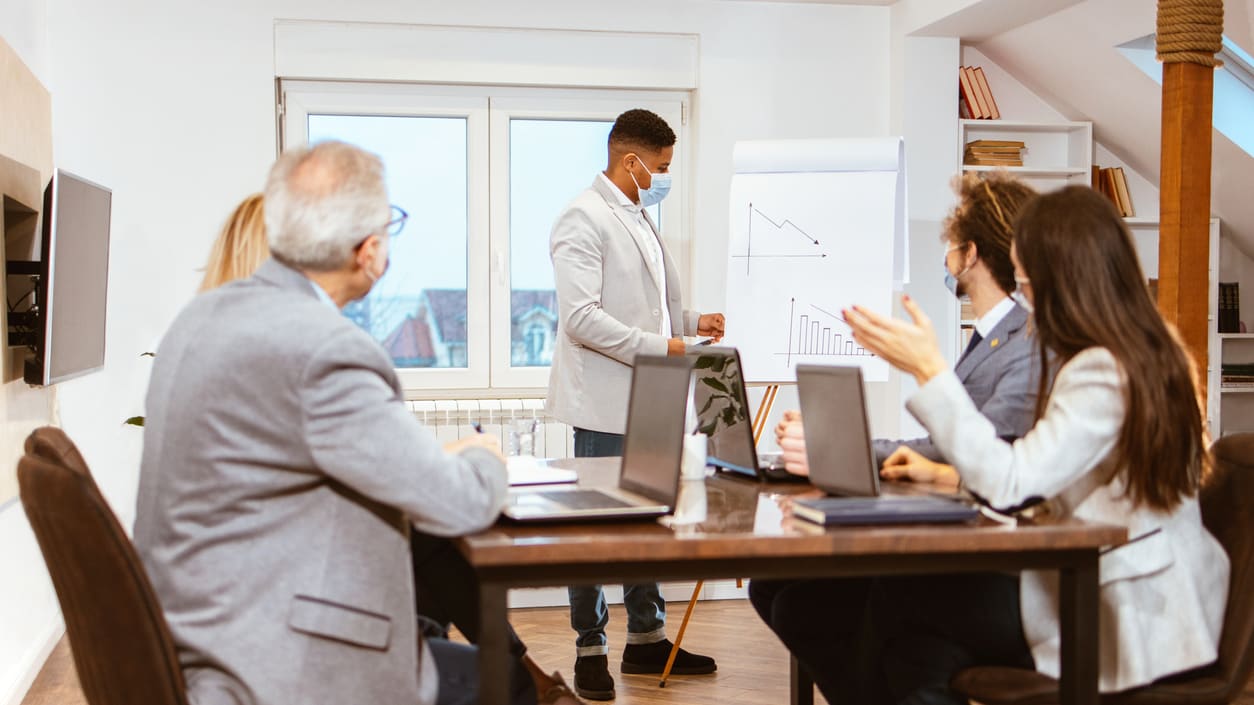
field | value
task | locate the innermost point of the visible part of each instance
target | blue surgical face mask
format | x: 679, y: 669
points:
x: 1022, y: 300
x: 659, y: 186
x: 951, y: 281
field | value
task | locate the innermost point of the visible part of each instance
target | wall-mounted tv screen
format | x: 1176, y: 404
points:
x: 70, y: 296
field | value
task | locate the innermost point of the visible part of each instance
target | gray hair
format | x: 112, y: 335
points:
x: 321, y: 201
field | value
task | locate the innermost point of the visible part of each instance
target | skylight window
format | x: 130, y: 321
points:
x: 1234, y: 86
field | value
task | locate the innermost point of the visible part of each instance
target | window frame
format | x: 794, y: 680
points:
x: 488, y: 110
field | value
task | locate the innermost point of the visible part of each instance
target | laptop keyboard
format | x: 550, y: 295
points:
x: 583, y: 499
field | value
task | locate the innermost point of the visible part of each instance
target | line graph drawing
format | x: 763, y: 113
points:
x: 785, y: 225
x: 808, y: 337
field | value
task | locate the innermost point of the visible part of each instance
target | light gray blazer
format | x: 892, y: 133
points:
x: 281, y: 471
x: 1000, y: 375
x: 607, y: 309
x: 1162, y: 593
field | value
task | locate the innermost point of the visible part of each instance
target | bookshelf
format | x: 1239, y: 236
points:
x: 1055, y: 154
x: 1236, y: 402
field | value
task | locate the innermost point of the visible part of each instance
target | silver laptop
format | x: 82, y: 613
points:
x: 722, y: 406
x: 842, y: 459
x: 648, y: 483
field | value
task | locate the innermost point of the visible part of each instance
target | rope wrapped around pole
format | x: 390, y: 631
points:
x: 1190, y: 31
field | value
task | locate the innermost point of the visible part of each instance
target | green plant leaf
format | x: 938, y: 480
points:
x: 704, y: 362
x: 715, y: 384
x: 148, y: 354
x: 134, y: 421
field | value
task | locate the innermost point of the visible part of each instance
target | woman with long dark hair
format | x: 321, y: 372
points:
x: 1119, y: 439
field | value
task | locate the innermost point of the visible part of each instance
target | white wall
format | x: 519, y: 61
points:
x: 171, y: 104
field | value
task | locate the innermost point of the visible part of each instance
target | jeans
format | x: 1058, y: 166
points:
x: 446, y: 591
x: 589, y: 615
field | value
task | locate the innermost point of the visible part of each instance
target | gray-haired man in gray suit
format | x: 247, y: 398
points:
x: 282, y: 472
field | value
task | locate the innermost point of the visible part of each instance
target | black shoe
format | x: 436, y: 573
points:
x: 592, y: 678
x: 651, y: 658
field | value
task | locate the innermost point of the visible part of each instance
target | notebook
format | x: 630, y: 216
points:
x: 842, y: 459
x: 722, y: 406
x: 648, y: 481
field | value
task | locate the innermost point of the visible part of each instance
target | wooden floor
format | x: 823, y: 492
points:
x: 753, y: 666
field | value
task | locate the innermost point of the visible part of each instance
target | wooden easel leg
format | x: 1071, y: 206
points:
x: 679, y: 638
x: 764, y: 412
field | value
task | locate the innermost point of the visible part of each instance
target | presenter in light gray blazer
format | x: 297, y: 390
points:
x: 283, y: 475
x: 618, y: 296
x: 1119, y: 439
x: 820, y: 620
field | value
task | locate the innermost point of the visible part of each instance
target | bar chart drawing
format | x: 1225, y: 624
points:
x: 780, y: 226
x: 810, y: 335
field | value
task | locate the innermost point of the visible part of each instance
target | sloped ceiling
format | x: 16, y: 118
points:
x: 1069, y: 59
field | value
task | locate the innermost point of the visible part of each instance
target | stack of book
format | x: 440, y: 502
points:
x: 975, y: 100
x: 993, y: 153
x: 1114, y: 184
x: 1237, y: 375
x: 1229, y: 307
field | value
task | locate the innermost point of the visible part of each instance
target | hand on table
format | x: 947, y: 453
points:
x: 792, y: 442
x: 486, y: 441
x: 907, y: 464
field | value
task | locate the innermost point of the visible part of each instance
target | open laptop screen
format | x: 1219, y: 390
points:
x: 722, y: 408
x: 655, y: 427
x: 838, y: 434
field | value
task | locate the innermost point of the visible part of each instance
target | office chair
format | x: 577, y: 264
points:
x: 122, y: 646
x: 1227, y: 515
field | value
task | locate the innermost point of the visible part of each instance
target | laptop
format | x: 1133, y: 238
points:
x: 842, y: 460
x: 722, y: 407
x: 648, y: 482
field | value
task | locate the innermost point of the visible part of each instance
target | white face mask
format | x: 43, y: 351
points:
x: 1021, y: 298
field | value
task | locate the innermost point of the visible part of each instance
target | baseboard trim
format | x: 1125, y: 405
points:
x: 30, y: 670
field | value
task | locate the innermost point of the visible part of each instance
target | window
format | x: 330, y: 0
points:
x: 1234, y: 86
x: 468, y: 301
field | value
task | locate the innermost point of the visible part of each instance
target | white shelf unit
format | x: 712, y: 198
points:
x: 1236, y: 404
x: 1055, y: 154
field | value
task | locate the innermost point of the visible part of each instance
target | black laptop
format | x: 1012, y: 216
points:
x: 722, y: 406
x: 648, y: 481
x: 842, y: 460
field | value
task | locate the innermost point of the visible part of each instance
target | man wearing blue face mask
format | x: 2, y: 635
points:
x: 618, y: 296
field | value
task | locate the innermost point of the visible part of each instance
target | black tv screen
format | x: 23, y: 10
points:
x: 74, y: 264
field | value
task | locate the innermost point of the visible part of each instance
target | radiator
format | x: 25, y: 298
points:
x: 452, y: 418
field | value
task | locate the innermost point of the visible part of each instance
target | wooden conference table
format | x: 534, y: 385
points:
x: 745, y: 533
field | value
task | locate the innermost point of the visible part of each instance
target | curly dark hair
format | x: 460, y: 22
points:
x: 641, y: 129
x: 985, y: 215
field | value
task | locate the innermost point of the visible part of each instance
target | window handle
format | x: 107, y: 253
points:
x: 499, y: 265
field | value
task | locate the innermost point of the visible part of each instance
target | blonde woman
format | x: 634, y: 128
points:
x: 241, y: 246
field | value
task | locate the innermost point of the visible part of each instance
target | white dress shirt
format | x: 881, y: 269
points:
x: 986, y: 323
x: 654, y: 249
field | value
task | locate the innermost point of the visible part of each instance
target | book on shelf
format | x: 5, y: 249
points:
x: 986, y: 93
x: 970, y: 91
x: 1229, y: 308
x: 975, y: 98
x: 1112, y: 182
x: 993, y: 153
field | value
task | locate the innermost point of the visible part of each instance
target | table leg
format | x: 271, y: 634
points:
x: 1078, y: 599
x: 494, y: 653
x: 800, y: 684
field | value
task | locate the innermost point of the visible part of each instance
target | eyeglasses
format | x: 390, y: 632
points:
x: 397, y: 223
x: 393, y: 227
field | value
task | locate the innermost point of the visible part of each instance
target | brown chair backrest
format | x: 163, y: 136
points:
x: 1228, y: 513
x: 121, y: 643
